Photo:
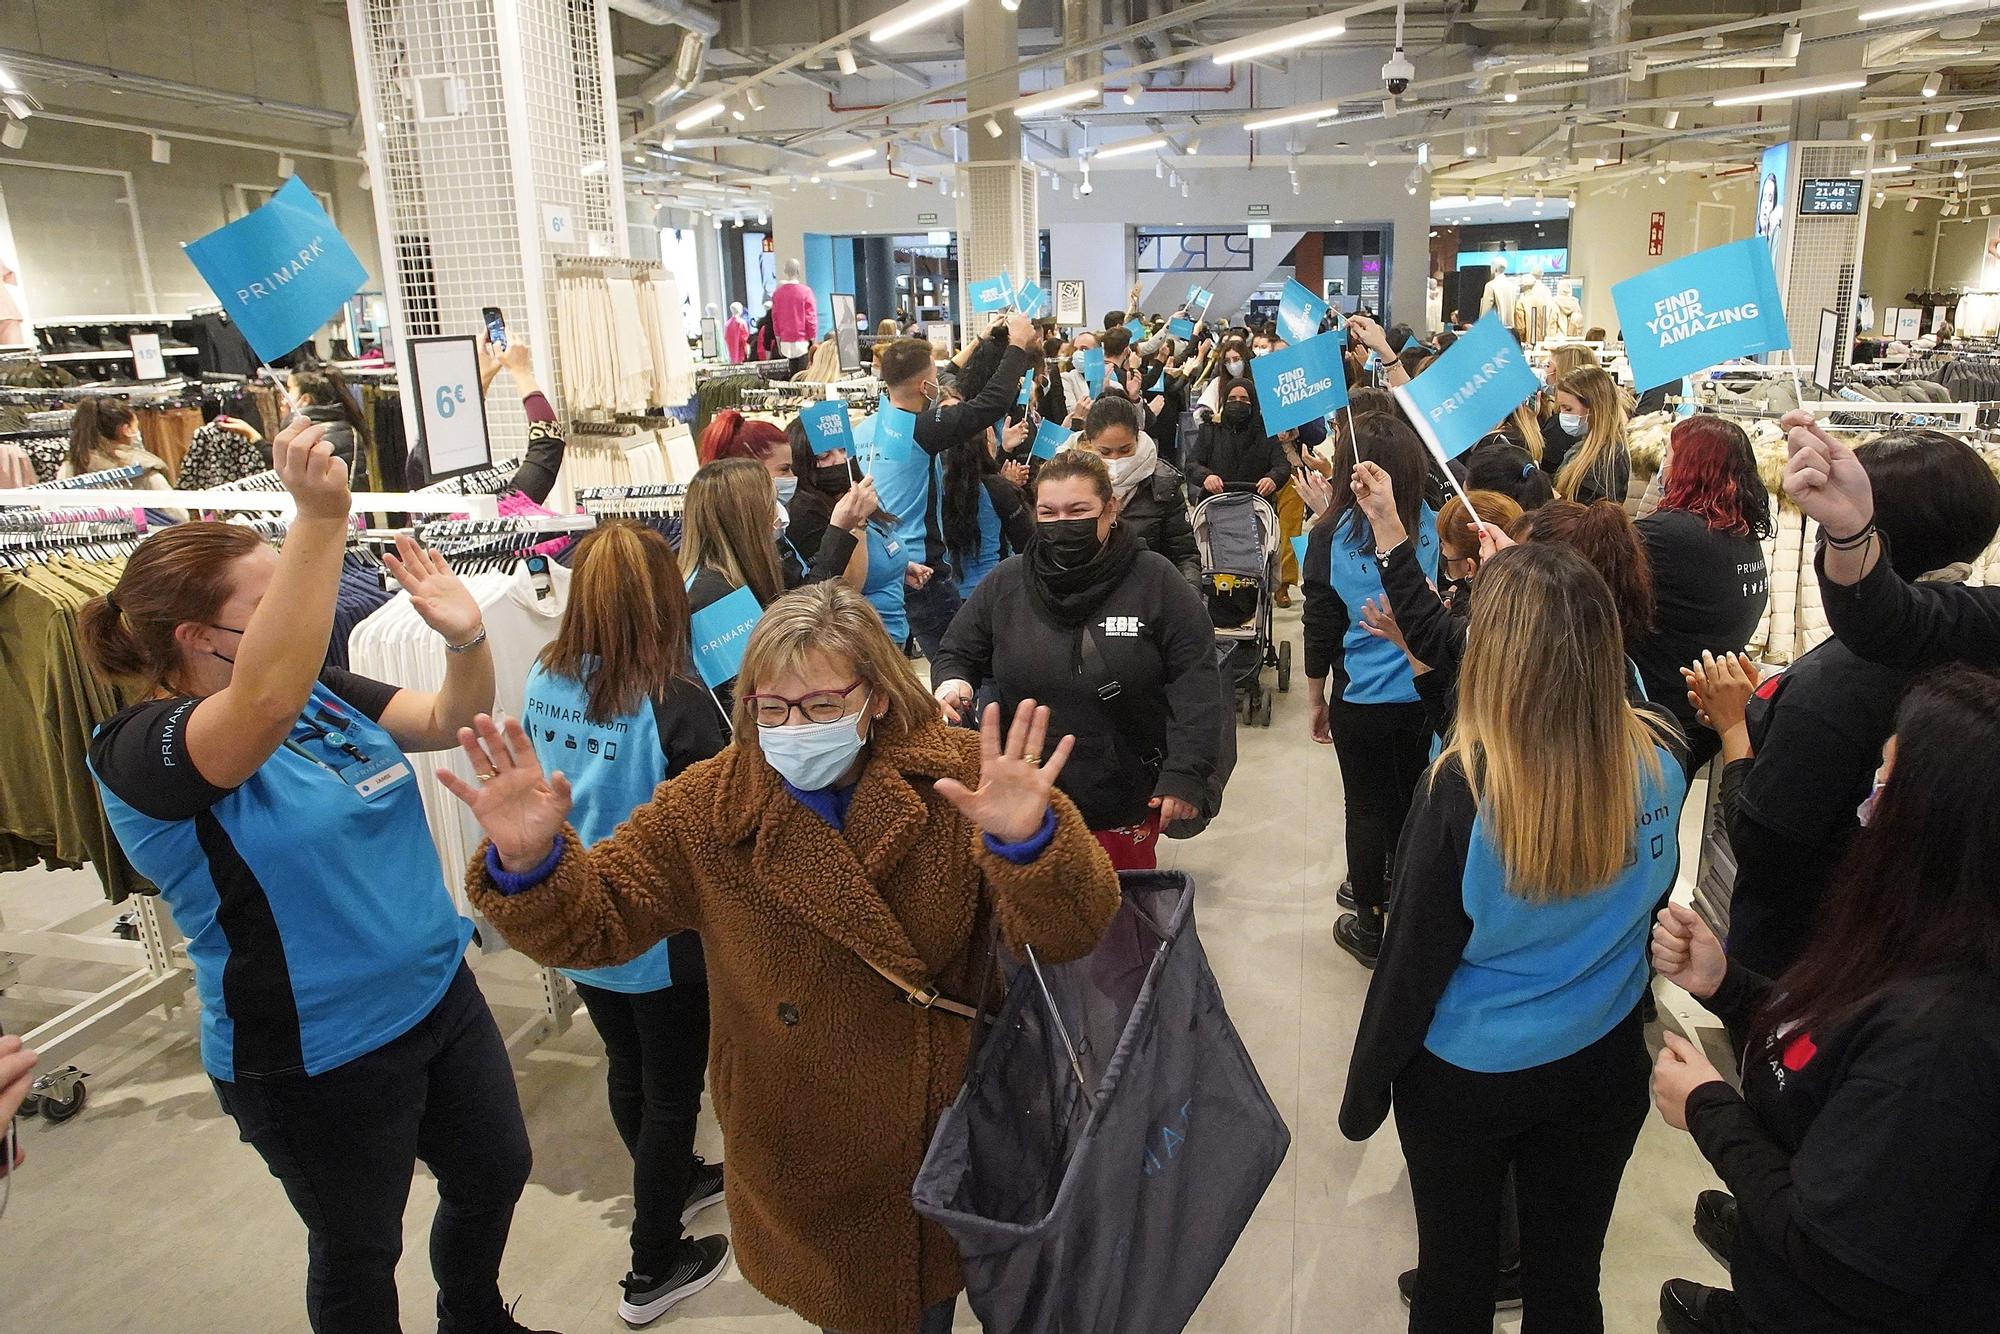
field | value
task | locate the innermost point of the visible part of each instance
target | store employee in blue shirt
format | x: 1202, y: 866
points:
x: 613, y: 703
x: 1503, y: 1021
x: 272, y: 802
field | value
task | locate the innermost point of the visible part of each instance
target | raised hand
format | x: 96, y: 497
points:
x: 1021, y: 332
x: 1824, y: 479
x: 436, y: 593
x: 1014, y: 781
x: 1016, y: 433
x: 521, y: 810
x: 1376, y: 495
x: 856, y: 505
x: 1686, y: 952
x: 1492, y: 540
x: 1314, y: 489
x: 310, y: 471
x: 1015, y: 471
x: 1720, y: 688
x: 1380, y: 621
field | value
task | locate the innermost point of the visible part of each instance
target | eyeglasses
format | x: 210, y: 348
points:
x: 822, y: 706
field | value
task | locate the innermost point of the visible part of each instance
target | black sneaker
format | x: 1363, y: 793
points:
x: 512, y: 1326
x: 1506, y: 1291
x: 1687, y: 1307
x: 1365, y: 945
x: 704, y: 1189
x: 1344, y: 896
x: 699, y: 1264
x: 1715, y: 1224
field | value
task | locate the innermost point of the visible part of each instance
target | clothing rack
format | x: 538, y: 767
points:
x: 488, y: 481
x: 106, y: 479
x: 416, y: 502
x: 608, y: 264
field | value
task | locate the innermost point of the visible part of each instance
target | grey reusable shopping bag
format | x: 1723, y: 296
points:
x: 1112, y: 1136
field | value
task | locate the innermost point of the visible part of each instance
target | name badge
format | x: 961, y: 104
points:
x: 895, y: 548
x: 373, y: 779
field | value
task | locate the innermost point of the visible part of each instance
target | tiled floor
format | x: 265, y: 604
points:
x: 145, y: 1213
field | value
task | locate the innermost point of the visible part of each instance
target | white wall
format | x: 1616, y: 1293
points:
x: 1100, y: 253
x: 1896, y: 254
x: 1608, y: 232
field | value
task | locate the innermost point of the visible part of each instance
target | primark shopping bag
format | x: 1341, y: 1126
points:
x: 1112, y: 1136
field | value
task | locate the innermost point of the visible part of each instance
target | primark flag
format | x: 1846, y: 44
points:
x: 720, y: 632
x: 1299, y: 383
x: 1467, y: 391
x: 1299, y: 312
x: 1702, y: 310
x: 281, y: 272
x: 991, y: 294
x: 827, y: 427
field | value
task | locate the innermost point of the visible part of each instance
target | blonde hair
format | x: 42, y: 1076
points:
x: 824, y: 368
x: 1570, y: 358
x: 834, y: 621
x: 1559, y: 788
x: 1526, y: 429
x: 1598, y: 392
x: 729, y: 525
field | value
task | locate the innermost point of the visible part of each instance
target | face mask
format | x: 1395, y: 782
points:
x: 1073, y: 542
x: 1124, y: 472
x: 930, y: 392
x: 1573, y: 423
x: 1865, y: 812
x: 1236, y: 415
x: 1076, y: 359
x: 1455, y: 591
x: 227, y: 629
x: 834, y: 479
x: 1234, y: 365
x: 810, y: 756
x: 787, y: 488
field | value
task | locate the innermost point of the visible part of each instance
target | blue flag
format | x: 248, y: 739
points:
x: 1299, y: 545
x: 1050, y: 438
x: 1299, y: 312
x: 1137, y: 328
x: 1697, y: 312
x: 1299, y: 383
x: 1466, y: 392
x: 1180, y: 328
x: 895, y: 432
x: 281, y: 272
x: 720, y: 632
x: 1093, y: 368
x: 1411, y: 342
x: 990, y: 294
x: 1031, y: 300
x: 1027, y: 390
x: 827, y: 427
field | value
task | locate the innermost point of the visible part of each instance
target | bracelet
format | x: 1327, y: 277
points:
x: 1849, y: 543
x: 469, y: 644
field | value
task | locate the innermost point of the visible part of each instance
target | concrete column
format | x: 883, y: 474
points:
x: 997, y: 219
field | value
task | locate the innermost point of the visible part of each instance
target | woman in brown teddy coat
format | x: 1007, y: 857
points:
x: 843, y: 861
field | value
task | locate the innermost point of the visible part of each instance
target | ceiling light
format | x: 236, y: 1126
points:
x: 1010, y: 5
x: 1511, y: 90
x: 15, y: 134
x: 1967, y: 140
x: 1712, y: 42
x: 944, y: 186
x: 1173, y: 180
x: 833, y: 192
x: 1985, y: 210
x: 1638, y: 70
x: 1780, y: 92
x: 1069, y: 97
x: 1672, y: 120
x: 1907, y: 9
x: 1373, y: 160
x: 1911, y: 207
x: 844, y: 57
x: 1958, y: 171
x: 1888, y: 155
x: 286, y: 167
x: 1887, y: 170
x: 163, y: 151
x: 667, y: 143
x: 1159, y: 168
x: 1879, y: 197
x: 1934, y: 85
x: 1788, y: 45
x: 753, y: 99
x: 1131, y: 95
x: 913, y: 182
x: 7, y: 82
x: 814, y: 178
x: 700, y: 115
x: 1133, y: 146
x: 1868, y: 136
x: 993, y: 127
x: 858, y: 155
x: 1661, y: 177
x: 1194, y: 146
x: 1287, y: 38
x: 1184, y: 189
x: 737, y: 109
x: 1327, y: 109
x: 911, y: 16
x: 1953, y: 121
x: 1295, y: 186
x: 366, y: 182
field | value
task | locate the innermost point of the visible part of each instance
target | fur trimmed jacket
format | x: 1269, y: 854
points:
x: 827, y: 1082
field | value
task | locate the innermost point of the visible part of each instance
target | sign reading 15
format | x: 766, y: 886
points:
x: 450, y: 398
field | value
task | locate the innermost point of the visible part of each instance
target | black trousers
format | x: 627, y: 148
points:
x: 345, y: 1144
x: 1383, y: 749
x: 930, y: 610
x: 1567, y: 1129
x: 657, y: 1042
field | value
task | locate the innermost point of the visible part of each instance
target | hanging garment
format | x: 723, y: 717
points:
x: 168, y: 433
x: 17, y: 470
x: 216, y: 455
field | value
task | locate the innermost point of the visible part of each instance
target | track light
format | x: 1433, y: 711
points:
x: 1638, y: 71
x: 1295, y: 185
x: 15, y: 134
x: 944, y: 186
x: 913, y: 182
x: 1888, y: 155
x: 1911, y: 207
x: 1879, y: 197
x: 993, y: 129
x: 1958, y: 171
x: 1868, y: 136
x: 163, y: 151
x: 1788, y: 45
x: 1934, y: 85
x: 1194, y: 146
x: 739, y: 109
x: 286, y: 167
x: 667, y: 143
x: 814, y: 178
x: 1130, y: 95
x: 1985, y: 210
x: 1661, y: 177
x: 844, y: 57
x: 1159, y: 168
x: 1511, y: 90
x: 1374, y: 161
x: 753, y: 99
x: 1184, y: 188
x: 1953, y: 121
x: 1672, y: 120
x: 1011, y: 6
x: 367, y: 182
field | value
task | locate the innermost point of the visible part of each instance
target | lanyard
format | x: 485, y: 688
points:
x: 327, y: 727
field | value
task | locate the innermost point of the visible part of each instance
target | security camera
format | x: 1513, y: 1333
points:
x: 1085, y: 187
x: 1398, y: 73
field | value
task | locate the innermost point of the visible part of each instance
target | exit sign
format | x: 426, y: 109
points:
x: 926, y: 217
x: 1260, y: 210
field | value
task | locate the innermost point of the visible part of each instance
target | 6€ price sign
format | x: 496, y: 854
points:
x: 450, y: 398
x: 451, y: 412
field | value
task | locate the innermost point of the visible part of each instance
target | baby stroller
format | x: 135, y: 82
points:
x: 1237, y: 532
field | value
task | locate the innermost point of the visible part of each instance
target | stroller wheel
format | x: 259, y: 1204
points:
x: 1285, y: 666
x: 1264, y: 710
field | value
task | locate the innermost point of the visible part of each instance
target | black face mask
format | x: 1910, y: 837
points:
x: 1457, y: 593
x: 1073, y: 542
x: 1236, y: 416
x: 833, y: 479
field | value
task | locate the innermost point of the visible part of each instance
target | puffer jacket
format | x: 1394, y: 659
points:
x: 1157, y: 514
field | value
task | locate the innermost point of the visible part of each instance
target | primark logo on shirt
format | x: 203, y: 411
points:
x: 1123, y: 627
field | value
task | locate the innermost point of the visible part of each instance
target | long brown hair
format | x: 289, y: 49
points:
x: 1603, y: 534
x: 729, y: 524
x: 179, y: 574
x: 624, y: 634
x: 94, y: 430
x: 1605, y: 440
x: 1544, y: 615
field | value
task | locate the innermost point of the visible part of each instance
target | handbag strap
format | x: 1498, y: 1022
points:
x: 925, y: 997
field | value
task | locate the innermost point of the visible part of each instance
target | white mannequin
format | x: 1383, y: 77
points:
x: 1433, y: 302
x: 1533, y: 310
x: 1568, y: 311
x: 1499, y: 294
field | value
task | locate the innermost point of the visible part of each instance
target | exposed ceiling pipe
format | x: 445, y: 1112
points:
x: 698, y: 26
x: 1610, y: 26
x: 1080, y: 24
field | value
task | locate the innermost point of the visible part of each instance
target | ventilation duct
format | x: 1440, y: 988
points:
x: 684, y: 71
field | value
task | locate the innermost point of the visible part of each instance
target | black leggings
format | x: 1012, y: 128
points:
x: 657, y: 1045
x: 1566, y: 1128
x: 1382, y: 749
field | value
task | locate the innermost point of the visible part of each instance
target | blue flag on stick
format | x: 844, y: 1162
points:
x: 1050, y: 437
x: 280, y: 272
x: 1464, y: 393
x: 1093, y: 368
x: 720, y: 632
x: 1299, y: 383
x: 827, y: 427
x: 990, y: 294
x: 1299, y: 312
x: 1702, y: 310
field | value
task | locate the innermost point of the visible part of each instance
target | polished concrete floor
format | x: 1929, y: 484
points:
x: 146, y: 1213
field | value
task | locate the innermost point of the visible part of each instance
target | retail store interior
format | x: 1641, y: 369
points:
x: 639, y: 190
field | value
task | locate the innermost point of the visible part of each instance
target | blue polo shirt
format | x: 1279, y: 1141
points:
x: 1377, y: 671
x: 316, y: 915
x: 981, y: 563
x: 889, y: 556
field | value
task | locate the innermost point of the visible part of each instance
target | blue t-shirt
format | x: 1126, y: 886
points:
x: 889, y: 557
x: 981, y: 563
x: 1377, y: 671
x: 1543, y: 980
x: 316, y: 915
x: 613, y: 768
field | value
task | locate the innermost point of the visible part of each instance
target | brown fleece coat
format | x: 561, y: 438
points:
x: 827, y: 1082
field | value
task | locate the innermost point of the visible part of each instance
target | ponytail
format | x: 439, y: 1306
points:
x: 730, y: 435
x: 178, y: 575
x: 324, y: 386
x: 97, y: 421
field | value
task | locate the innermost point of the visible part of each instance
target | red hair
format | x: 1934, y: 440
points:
x: 1712, y: 474
x: 730, y: 436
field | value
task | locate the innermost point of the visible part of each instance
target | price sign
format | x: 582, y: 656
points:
x: 147, y: 363
x: 451, y: 415
x: 558, y: 224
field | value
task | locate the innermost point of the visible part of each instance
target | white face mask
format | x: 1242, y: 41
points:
x: 1573, y: 423
x: 1234, y: 366
x: 810, y: 756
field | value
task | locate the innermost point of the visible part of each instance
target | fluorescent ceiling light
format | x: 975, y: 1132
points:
x: 1886, y: 169
x: 911, y: 16
x: 1327, y: 110
x: 858, y: 155
x: 1912, y: 7
x: 1133, y: 146
x: 700, y: 115
x: 7, y: 81
x: 1289, y: 37
x: 1967, y: 140
x: 1782, y: 92
x: 1067, y: 98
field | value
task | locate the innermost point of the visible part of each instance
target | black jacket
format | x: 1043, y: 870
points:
x: 1865, y: 1161
x: 1161, y: 734
x: 1885, y: 619
x: 1435, y: 633
x: 340, y: 434
x: 941, y: 426
x: 1156, y: 513
x: 1240, y: 458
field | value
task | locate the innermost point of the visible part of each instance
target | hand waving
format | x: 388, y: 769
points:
x: 436, y: 594
x: 1824, y: 479
x: 520, y: 810
x: 1014, y: 782
x: 1376, y: 495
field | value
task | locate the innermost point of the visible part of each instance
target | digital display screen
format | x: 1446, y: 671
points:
x: 1835, y: 194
